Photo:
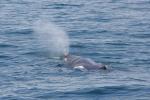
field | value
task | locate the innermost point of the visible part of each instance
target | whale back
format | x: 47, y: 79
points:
x: 75, y: 61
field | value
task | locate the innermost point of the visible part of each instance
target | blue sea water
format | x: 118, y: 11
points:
x: 114, y: 32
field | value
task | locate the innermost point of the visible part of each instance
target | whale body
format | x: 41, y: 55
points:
x: 81, y: 63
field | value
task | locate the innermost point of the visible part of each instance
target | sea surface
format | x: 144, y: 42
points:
x: 113, y: 32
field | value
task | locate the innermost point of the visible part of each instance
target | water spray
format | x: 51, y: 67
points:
x: 52, y: 37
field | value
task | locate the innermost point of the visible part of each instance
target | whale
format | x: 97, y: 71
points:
x: 81, y: 63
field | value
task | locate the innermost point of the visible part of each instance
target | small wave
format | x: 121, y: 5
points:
x: 4, y: 56
x: 142, y: 36
x: 100, y: 91
x: 4, y: 45
x: 108, y: 90
x: 36, y: 53
x: 70, y: 5
x: 77, y: 46
x: 61, y: 6
x: 117, y: 43
x: 22, y: 31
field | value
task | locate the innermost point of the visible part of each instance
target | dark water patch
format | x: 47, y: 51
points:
x: 97, y: 18
x: 19, y: 32
x: 91, y: 54
x: 61, y: 6
x: 102, y: 91
x: 145, y: 52
x: 4, y: 57
x: 109, y: 90
x: 71, y: 5
x: 22, y: 79
x: 141, y: 62
x: 83, y: 33
x: 48, y: 95
x: 13, y: 97
x: 114, y: 1
x: 117, y: 43
x: 7, y: 45
x: 132, y: 7
x: 138, y: 24
x: 88, y: 34
x: 37, y: 53
x: 138, y: 79
x: 142, y: 2
x: 3, y: 64
x: 15, y: 2
x: 77, y: 46
x: 29, y: 91
x: 141, y: 35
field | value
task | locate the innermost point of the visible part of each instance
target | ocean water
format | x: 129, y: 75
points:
x: 113, y: 32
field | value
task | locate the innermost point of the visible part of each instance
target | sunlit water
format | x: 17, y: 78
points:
x: 114, y: 32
